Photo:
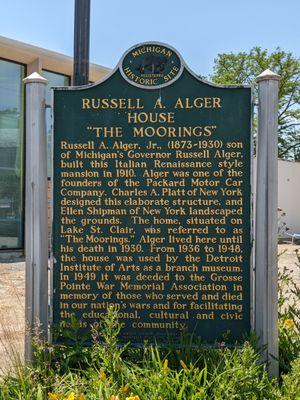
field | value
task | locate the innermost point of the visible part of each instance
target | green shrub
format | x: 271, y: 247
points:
x: 289, y: 318
x: 107, y: 371
x: 291, y: 382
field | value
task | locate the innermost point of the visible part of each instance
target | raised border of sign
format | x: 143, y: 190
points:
x: 201, y: 79
x: 183, y: 66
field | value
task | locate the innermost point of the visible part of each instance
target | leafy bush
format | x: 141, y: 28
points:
x: 291, y: 382
x: 107, y: 371
x: 289, y: 317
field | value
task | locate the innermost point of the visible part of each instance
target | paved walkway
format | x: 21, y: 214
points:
x: 12, y: 303
x: 12, y: 313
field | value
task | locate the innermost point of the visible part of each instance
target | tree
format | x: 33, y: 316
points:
x: 243, y: 68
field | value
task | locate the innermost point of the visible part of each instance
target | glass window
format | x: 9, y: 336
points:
x: 53, y: 79
x: 11, y: 154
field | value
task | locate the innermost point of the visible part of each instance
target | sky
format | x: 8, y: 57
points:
x: 198, y: 29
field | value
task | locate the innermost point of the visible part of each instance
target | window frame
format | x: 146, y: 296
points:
x: 22, y: 247
x: 57, y: 73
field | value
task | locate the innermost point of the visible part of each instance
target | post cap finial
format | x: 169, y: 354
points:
x: 267, y: 75
x: 35, y: 78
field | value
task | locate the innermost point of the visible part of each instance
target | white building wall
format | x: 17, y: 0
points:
x: 289, y: 193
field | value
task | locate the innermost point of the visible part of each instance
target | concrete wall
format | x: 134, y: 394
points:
x: 289, y: 193
x: 36, y: 58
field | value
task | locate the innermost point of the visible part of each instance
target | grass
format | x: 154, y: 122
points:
x: 106, y: 371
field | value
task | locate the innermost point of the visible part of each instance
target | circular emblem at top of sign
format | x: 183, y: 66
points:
x: 151, y: 65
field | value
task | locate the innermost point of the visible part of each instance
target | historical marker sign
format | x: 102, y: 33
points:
x: 152, y: 201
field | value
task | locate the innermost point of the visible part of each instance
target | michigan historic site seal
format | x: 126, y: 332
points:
x: 151, y: 65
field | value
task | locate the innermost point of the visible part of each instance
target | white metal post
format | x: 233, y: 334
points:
x: 266, y: 274
x: 36, y: 232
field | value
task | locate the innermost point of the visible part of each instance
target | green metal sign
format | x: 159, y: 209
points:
x: 151, y: 201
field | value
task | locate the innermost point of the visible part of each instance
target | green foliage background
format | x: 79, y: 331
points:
x: 244, y: 67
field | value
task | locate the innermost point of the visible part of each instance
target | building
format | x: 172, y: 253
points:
x: 289, y: 194
x: 18, y: 60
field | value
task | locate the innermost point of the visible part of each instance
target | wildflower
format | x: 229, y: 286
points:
x: 133, y: 398
x: 52, y: 396
x: 166, y: 363
x: 95, y: 335
x: 289, y: 323
x: 102, y: 374
x: 113, y: 397
x: 57, y: 365
x: 124, y: 389
x: 80, y: 397
x: 32, y: 375
x: 183, y: 364
x: 70, y: 397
